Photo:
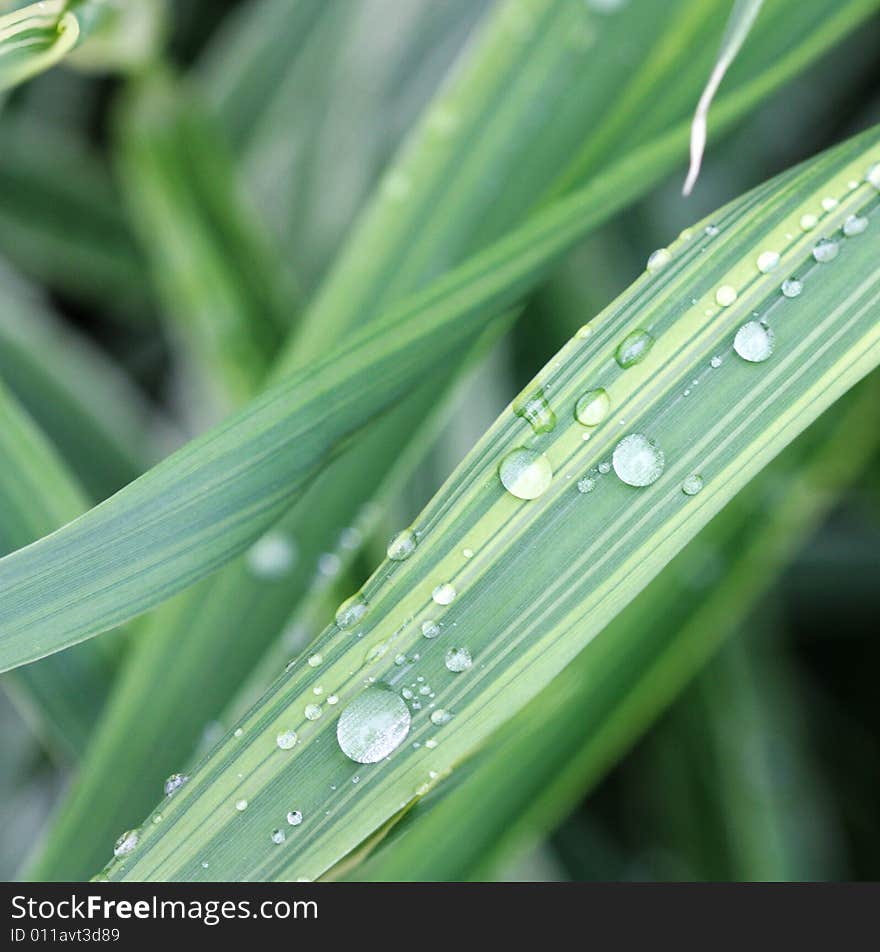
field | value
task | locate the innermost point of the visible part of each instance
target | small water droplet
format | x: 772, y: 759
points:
x: 278, y: 837
x: 592, y: 407
x: 725, y: 295
x: 237, y: 732
x: 294, y: 818
x: 715, y: 362
x: 351, y: 611
x: 825, y: 250
x: 373, y: 725
x: 402, y: 546
x: 791, y: 287
x: 525, y: 473
x: 458, y: 660
x: 467, y: 553
x: 584, y: 332
x: 872, y: 176
x: 286, y: 740
x: 586, y: 484
x: 315, y: 659
x: 808, y: 222
x: 829, y: 203
x: 633, y: 348
x: 440, y: 716
x: 241, y: 805
x: 443, y: 594
x: 604, y: 467
x: 174, y: 783
x: 430, y: 629
x: 312, y: 712
x: 126, y: 843
x: 767, y: 261
x: 531, y: 405
x: 711, y: 230
x: 754, y: 342
x: 638, y: 460
x: 332, y: 699
x: 692, y: 485
x: 157, y: 818
x: 854, y: 225
x: 658, y: 260
x: 272, y: 556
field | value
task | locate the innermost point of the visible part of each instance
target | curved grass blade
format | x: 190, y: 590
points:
x: 546, y: 575
x: 34, y: 38
x: 582, y: 722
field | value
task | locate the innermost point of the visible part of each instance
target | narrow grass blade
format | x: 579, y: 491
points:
x: 35, y: 38
x: 582, y: 722
x: 522, y: 617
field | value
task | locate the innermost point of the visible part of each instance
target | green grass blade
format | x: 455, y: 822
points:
x: 34, y: 38
x: 576, y: 728
x: 62, y: 695
x: 547, y: 575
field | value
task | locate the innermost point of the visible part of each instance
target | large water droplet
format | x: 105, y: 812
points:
x: 444, y: 594
x: 402, y: 546
x: 633, y: 348
x: 126, y: 843
x: 271, y: 556
x: 294, y: 818
x: 312, y: 712
x: 458, y: 660
x: 375, y: 723
x: 525, y: 473
x: 174, y: 783
x: 592, y: 407
x: 286, y: 740
x: 658, y: 260
x: 825, y: 250
x: 854, y: 225
x: 350, y: 612
x: 754, y: 342
x: 430, y: 629
x: 532, y: 406
x: 767, y: 261
x: 638, y: 460
x: 791, y: 287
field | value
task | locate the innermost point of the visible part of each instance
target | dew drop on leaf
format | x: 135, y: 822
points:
x: 278, y: 837
x: 854, y: 225
x: 350, y: 612
x: 444, y: 594
x: 633, y: 348
x: 754, y: 342
x: 126, y: 843
x: 592, y: 408
x: 402, y: 546
x: 430, y: 629
x: 692, y: 485
x: 638, y: 460
x: 725, y: 295
x: 658, y: 260
x: 440, y: 716
x: 374, y: 724
x: 533, y: 407
x: 286, y: 740
x: 174, y: 783
x: 767, y: 261
x: 525, y: 473
x: 825, y: 250
x: 294, y: 818
x: 791, y: 287
x: 458, y: 660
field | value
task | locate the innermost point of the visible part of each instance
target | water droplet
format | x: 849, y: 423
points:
x: 754, y: 342
x: 532, y: 406
x: 315, y: 659
x: 294, y: 818
x: 767, y: 261
x: 725, y: 295
x: 278, y: 837
x: 312, y: 712
x: 458, y: 660
x: 584, y: 332
x: 271, y: 556
x: 633, y: 348
x: 440, y: 716
x: 592, y: 407
x: 854, y: 225
x: 402, y: 546
x: 467, y: 553
x: 715, y: 362
x: 525, y: 473
x: 241, y: 805
x: 350, y: 612
x: 443, y: 594
x: 286, y: 740
x: 586, y: 484
x: 237, y: 732
x: 658, y: 259
x: 872, y: 176
x: 711, y: 230
x: 174, y: 783
x: 430, y: 629
x: 825, y: 250
x: 638, y: 461
x: 157, y: 818
x: 791, y: 287
x: 374, y: 724
x: 808, y: 222
x: 604, y: 467
x: 692, y: 485
x: 332, y: 699
x: 126, y: 843
x: 829, y: 203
